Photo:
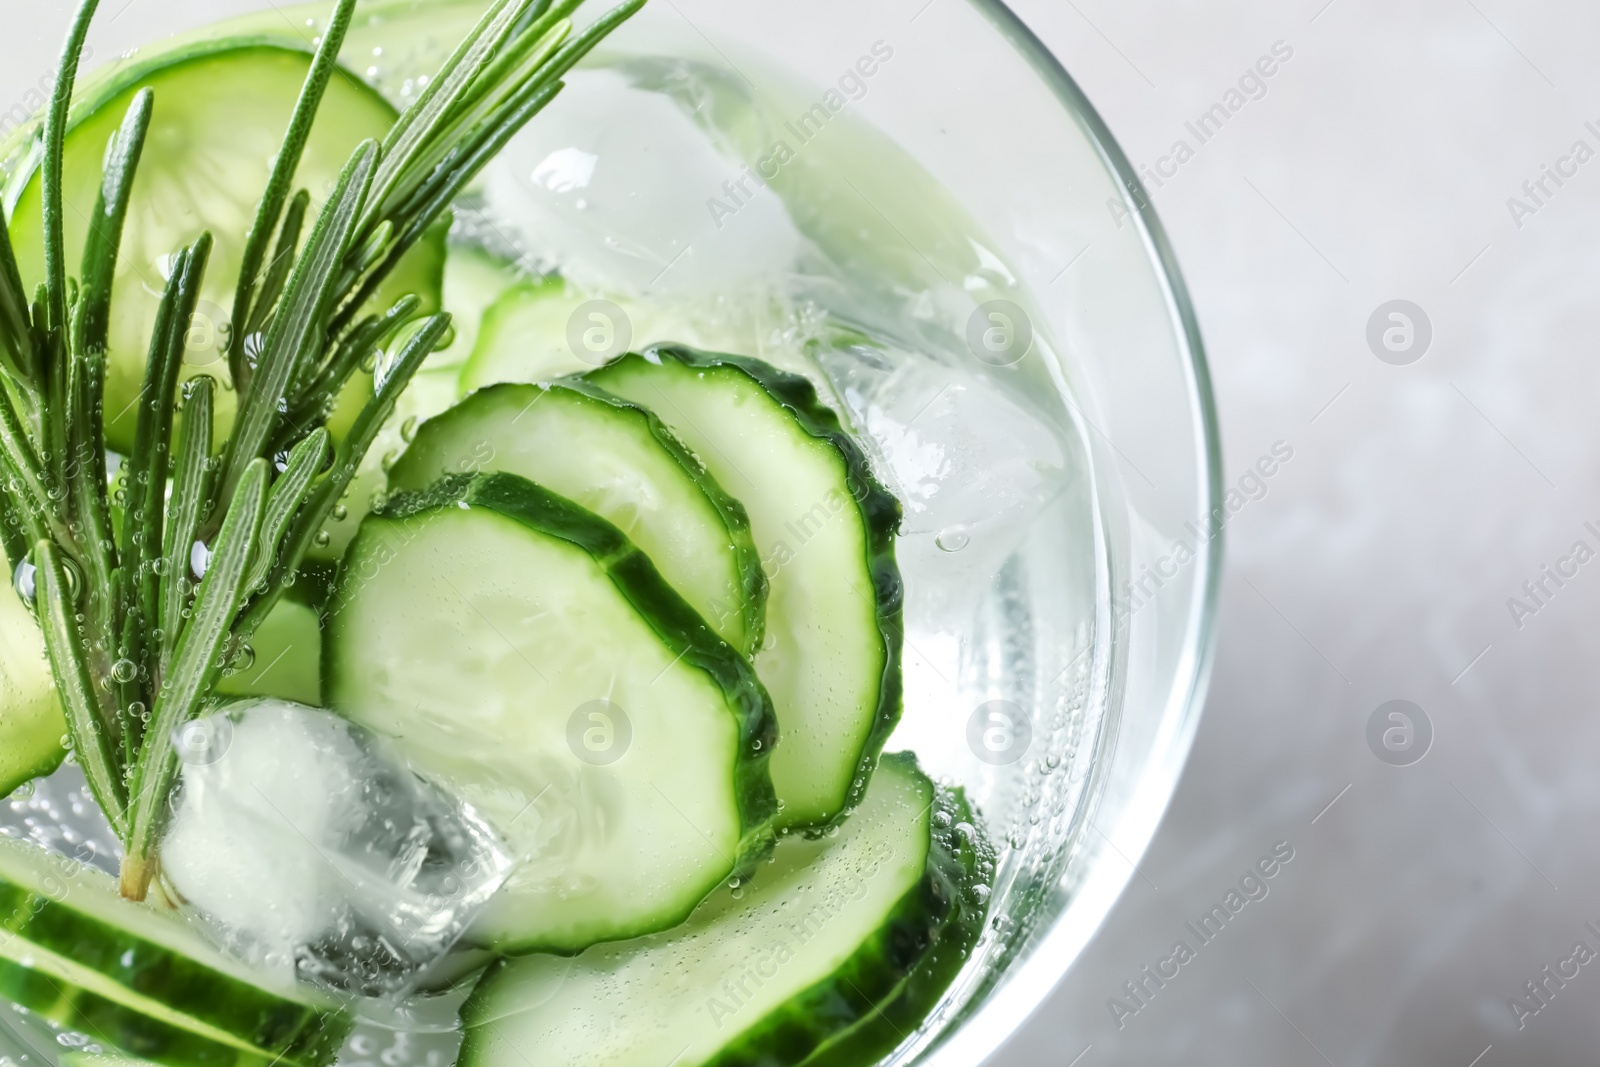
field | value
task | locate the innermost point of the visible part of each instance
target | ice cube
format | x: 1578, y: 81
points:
x: 306, y: 845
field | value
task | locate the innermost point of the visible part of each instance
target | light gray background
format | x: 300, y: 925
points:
x: 1419, y: 498
x: 1377, y: 167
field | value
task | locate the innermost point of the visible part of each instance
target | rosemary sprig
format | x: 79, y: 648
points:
x: 278, y: 185
x: 135, y: 642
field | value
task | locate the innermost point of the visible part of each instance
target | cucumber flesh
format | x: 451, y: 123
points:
x: 473, y: 279
x: 619, y: 461
x: 67, y: 922
x: 825, y: 529
x: 542, y: 330
x: 220, y: 115
x: 287, y: 661
x: 31, y: 722
x: 531, y: 660
x: 49, y: 986
x: 523, y: 338
x: 883, y: 912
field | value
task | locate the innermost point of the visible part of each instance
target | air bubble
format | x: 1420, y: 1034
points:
x: 323, y: 539
x: 408, y: 430
x: 124, y: 670
x: 953, y: 539
x: 340, y: 513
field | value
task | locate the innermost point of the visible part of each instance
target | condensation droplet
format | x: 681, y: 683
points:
x: 23, y: 580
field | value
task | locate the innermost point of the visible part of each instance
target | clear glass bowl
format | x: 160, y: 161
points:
x: 1031, y: 380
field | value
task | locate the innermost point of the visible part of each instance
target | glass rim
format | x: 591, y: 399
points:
x: 1187, y: 688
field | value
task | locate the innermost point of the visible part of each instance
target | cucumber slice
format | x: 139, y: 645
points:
x: 546, y: 329
x: 879, y: 915
x: 287, y: 658
x: 619, y: 461
x: 523, y: 337
x: 825, y: 529
x: 31, y: 722
x: 220, y: 113
x: 534, y: 662
x: 473, y: 279
x: 68, y: 923
x: 43, y: 984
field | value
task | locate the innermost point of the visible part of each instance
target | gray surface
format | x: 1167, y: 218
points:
x: 1378, y: 565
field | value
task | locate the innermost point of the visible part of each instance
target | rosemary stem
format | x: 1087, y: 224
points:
x: 195, y: 666
x: 55, y: 134
x: 91, y: 735
x: 190, y: 495
x: 283, y: 168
